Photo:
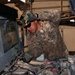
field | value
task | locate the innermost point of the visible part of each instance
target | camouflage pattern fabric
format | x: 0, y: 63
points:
x: 48, y: 40
x: 52, y: 15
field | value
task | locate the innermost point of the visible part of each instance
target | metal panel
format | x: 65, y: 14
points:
x: 72, y: 6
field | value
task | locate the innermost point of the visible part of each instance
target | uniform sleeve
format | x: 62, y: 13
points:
x: 53, y: 15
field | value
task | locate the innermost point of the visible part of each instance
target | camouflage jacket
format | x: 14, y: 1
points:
x: 47, y: 41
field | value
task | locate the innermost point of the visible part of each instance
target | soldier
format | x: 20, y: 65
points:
x: 44, y: 36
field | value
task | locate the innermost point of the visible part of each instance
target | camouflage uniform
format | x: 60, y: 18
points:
x: 48, y: 40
